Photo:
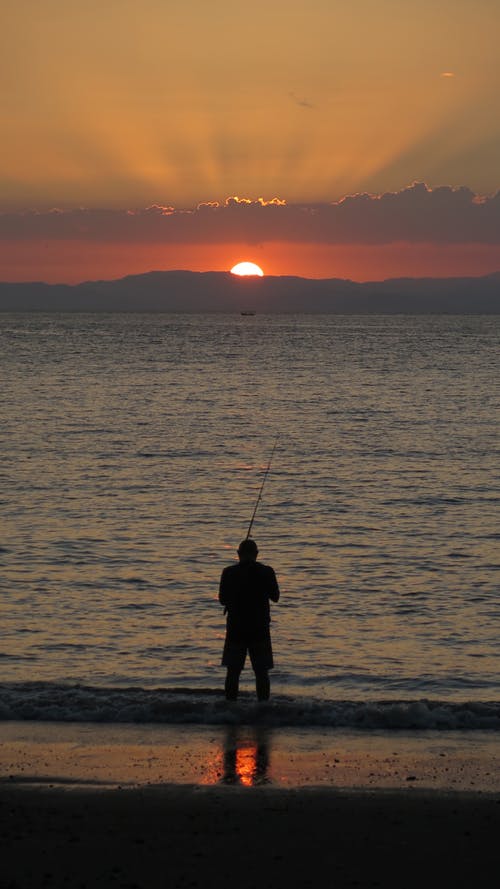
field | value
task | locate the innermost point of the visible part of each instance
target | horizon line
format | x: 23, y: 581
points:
x: 228, y: 274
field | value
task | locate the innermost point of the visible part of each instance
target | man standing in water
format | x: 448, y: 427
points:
x: 245, y: 590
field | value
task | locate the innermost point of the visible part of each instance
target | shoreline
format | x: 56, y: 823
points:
x: 132, y: 755
x: 148, y: 807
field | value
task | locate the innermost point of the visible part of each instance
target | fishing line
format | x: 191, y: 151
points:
x: 259, y: 498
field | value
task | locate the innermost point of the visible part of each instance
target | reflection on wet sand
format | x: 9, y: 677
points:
x: 246, y: 755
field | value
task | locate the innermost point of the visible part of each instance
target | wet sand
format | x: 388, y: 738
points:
x: 133, y: 806
x: 131, y: 755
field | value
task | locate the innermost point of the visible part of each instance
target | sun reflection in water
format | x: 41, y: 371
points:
x: 245, y: 765
x: 244, y: 758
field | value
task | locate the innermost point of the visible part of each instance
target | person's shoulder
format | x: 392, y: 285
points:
x: 265, y: 568
x: 230, y: 569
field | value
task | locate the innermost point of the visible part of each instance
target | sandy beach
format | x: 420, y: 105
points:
x: 131, y: 806
x: 174, y: 836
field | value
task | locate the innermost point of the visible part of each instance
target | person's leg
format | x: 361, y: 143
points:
x: 261, y: 656
x: 232, y: 683
x: 233, y: 658
x: 262, y: 685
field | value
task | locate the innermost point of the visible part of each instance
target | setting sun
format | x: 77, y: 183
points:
x: 247, y: 268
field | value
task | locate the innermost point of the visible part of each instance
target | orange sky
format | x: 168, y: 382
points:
x: 134, y: 103
x: 75, y: 261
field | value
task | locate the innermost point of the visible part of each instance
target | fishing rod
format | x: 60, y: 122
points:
x: 259, y: 498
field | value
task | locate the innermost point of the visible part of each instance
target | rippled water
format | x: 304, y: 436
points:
x: 133, y: 449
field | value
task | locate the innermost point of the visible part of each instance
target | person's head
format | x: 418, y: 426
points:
x: 247, y: 550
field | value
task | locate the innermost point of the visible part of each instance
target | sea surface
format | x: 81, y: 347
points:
x: 133, y: 449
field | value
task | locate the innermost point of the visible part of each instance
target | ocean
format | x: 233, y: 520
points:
x: 133, y: 450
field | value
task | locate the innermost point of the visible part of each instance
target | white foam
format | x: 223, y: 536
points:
x: 52, y: 702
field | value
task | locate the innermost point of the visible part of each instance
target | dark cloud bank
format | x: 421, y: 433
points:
x: 182, y: 291
x: 416, y: 214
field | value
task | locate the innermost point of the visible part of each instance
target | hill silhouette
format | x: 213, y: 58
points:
x: 185, y: 291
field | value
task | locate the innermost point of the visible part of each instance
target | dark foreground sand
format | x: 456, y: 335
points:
x: 181, y: 836
x: 246, y: 807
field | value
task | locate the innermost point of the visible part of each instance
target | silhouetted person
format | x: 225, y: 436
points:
x: 245, y: 590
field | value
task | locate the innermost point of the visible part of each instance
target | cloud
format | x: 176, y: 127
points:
x: 416, y: 214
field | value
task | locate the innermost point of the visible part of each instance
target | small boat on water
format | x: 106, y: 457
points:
x: 248, y: 312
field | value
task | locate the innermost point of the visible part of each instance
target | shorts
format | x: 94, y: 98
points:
x: 258, y: 646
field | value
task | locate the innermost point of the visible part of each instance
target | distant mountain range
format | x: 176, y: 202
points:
x: 184, y: 291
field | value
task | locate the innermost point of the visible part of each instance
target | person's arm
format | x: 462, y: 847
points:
x: 223, y: 591
x: 274, y: 590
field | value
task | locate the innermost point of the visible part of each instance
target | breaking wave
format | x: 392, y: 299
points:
x: 52, y: 702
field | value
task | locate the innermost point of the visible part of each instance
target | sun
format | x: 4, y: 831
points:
x: 247, y: 268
